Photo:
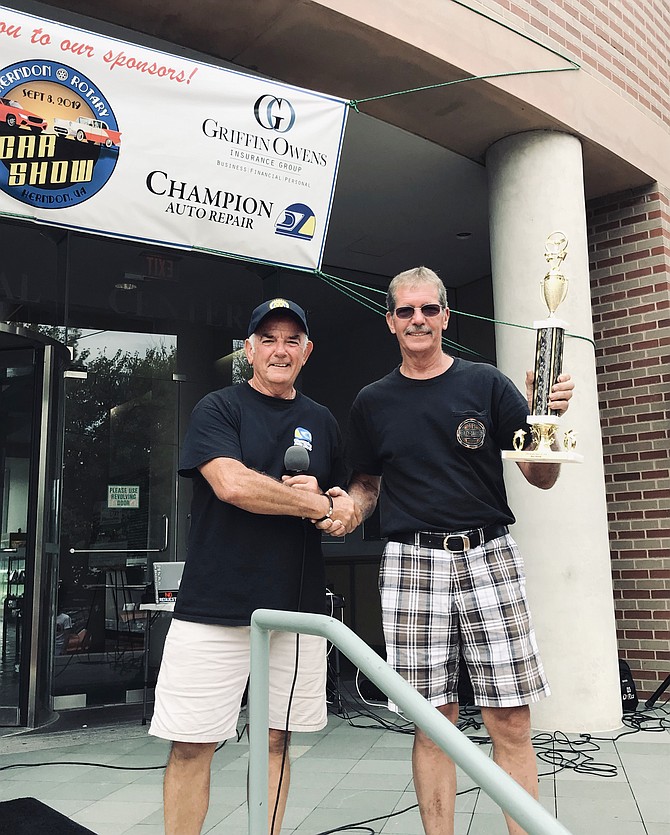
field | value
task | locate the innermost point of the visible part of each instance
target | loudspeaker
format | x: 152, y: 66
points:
x: 369, y: 690
x: 629, y: 700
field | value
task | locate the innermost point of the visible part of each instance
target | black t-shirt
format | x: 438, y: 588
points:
x: 239, y: 561
x: 436, y: 443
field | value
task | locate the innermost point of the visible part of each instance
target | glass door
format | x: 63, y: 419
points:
x: 118, y: 510
x: 17, y: 401
x: 31, y: 366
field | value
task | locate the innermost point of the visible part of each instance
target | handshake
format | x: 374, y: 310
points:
x: 346, y: 514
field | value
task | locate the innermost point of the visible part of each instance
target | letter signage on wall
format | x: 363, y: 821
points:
x: 105, y: 136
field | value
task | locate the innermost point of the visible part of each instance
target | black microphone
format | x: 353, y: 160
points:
x: 296, y: 459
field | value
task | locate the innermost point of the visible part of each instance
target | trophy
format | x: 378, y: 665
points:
x: 543, y: 421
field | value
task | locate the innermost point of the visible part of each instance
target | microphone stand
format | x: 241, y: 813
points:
x: 651, y: 701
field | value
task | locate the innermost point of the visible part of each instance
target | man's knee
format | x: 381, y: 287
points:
x: 278, y: 740
x: 510, y: 725
x: 450, y: 711
x: 421, y: 739
x: 192, y: 753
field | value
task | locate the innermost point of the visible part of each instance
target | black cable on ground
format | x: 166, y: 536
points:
x: 105, y: 765
x: 554, y: 748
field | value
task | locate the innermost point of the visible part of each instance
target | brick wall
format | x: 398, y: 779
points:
x: 629, y: 248
x: 624, y: 42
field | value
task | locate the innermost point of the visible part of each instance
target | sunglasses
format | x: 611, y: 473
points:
x: 427, y: 310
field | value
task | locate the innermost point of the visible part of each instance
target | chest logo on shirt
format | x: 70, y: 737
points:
x: 471, y: 433
x: 302, y: 437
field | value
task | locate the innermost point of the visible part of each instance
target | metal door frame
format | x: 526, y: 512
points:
x: 51, y: 357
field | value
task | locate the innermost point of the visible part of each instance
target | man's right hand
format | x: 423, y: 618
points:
x: 346, y: 515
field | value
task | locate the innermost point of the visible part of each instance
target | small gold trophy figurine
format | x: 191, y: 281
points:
x: 548, y: 363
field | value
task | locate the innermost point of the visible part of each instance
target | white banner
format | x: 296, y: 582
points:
x: 104, y: 136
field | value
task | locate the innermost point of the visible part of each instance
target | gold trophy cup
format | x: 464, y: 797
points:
x: 548, y: 364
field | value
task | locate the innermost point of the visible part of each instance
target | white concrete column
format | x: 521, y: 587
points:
x: 535, y: 188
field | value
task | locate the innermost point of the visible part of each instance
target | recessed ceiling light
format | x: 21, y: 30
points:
x: 463, y: 235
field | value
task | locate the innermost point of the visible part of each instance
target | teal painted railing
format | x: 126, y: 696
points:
x: 506, y: 792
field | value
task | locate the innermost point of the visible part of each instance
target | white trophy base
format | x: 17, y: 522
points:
x: 559, y: 456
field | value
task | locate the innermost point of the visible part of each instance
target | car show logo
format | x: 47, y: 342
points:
x: 59, y: 139
x: 296, y: 221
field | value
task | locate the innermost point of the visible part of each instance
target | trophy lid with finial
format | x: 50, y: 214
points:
x: 554, y: 283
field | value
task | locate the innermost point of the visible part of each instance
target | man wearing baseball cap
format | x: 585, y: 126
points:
x: 262, y: 457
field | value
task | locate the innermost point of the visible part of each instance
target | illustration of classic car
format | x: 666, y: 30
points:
x: 88, y: 130
x: 12, y: 114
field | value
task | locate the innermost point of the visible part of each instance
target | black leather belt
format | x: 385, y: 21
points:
x: 455, y: 542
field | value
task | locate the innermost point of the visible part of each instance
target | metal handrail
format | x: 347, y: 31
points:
x: 505, y: 791
x: 166, y: 539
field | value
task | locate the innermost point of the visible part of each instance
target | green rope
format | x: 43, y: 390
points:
x: 573, y: 64
x: 336, y: 281
x: 358, y: 297
x: 233, y: 257
x: 449, y: 343
x: 355, y: 102
x: 15, y: 216
x: 515, y: 325
x: 515, y: 31
x: 352, y: 283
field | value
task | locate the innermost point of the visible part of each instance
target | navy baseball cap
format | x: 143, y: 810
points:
x: 277, y: 306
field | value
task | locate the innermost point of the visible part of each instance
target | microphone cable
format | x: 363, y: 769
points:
x: 296, y: 459
x: 293, y: 683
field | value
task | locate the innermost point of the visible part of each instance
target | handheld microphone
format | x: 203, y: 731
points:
x: 296, y: 459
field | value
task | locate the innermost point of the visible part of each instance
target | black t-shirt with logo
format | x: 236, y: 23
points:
x: 239, y: 561
x: 436, y: 443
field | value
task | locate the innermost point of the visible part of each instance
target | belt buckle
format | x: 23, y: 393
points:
x: 465, y: 541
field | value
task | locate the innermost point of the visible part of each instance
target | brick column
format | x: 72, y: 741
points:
x: 629, y: 254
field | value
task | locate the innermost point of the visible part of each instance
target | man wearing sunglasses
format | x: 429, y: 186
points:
x: 429, y: 436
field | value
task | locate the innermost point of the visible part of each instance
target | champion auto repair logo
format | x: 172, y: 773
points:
x: 296, y: 221
x: 59, y: 139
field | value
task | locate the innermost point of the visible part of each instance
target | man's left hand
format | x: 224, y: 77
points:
x: 302, y: 482
x: 560, y: 394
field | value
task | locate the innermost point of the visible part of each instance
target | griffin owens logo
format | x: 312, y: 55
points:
x: 273, y: 113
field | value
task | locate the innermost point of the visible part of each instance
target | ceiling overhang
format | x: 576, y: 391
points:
x: 314, y: 46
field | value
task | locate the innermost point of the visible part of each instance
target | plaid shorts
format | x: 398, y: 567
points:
x: 436, y: 603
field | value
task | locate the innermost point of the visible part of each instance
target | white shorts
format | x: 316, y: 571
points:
x: 204, y: 672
